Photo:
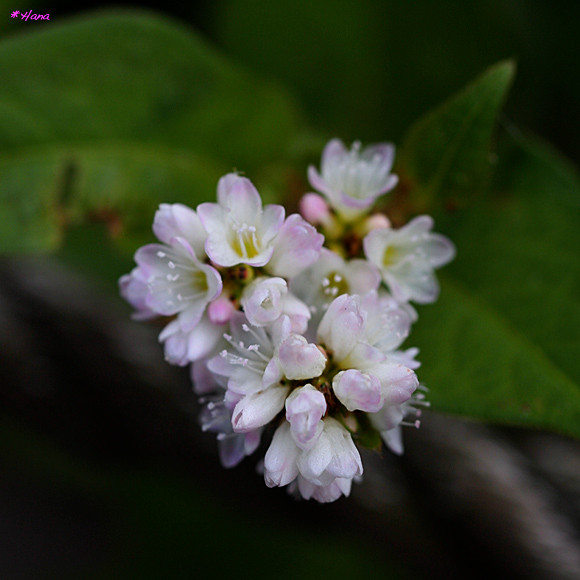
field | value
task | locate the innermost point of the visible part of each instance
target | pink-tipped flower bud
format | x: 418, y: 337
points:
x: 220, y: 311
x: 314, y: 209
x: 377, y: 221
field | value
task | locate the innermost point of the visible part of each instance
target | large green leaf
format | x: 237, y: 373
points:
x: 110, y: 115
x: 446, y: 154
x: 502, y: 342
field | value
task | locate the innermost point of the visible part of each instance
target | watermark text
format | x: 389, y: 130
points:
x: 29, y: 15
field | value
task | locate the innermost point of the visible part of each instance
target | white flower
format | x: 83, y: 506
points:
x: 296, y: 247
x: 407, y: 257
x: 330, y: 277
x: 358, y: 390
x: 324, y: 469
x: 170, y: 280
x: 259, y: 359
x: 353, y: 180
x: 361, y: 334
x: 280, y: 467
x: 177, y: 282
x: 305, y: 408
x: 334, y: 455
x: 239, y: 230
x: 266, y: 299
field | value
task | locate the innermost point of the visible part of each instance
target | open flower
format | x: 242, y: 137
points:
x: 240, y: 231
x: 329, y: 277
x: 407, y: 258
x: 259, y: 365
x: 353, y: 180
x: 170, y: 280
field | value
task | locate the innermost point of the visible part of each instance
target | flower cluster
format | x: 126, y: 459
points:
x: 289, y: 342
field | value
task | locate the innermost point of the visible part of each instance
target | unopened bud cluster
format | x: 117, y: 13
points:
x: 290, y: 342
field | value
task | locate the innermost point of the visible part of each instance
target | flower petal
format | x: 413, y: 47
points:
x: 300, y: 359
x: 280, y: 461
x: 358, y: 391
x: 256, y: 410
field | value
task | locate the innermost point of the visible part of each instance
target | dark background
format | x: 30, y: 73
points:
x: 367, y: 69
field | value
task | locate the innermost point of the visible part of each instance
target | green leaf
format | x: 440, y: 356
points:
x: 445, y: 156
x: 111, y: 115
x: 119, y: 184
x: 502, y: 342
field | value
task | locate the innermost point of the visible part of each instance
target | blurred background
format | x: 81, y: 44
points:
x: 104, y: 472
x: 367, y: 69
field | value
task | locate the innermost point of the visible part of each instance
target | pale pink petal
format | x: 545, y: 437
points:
x: 312, y: 463
x: 203, y: 339
x: 272, y: 374
x: 175, y: 344
x: 178, y: 220
x: 271, y: 222
x: 305, y: 408
x: 300, y: 359
x: 258, y: 409
x: 399, y: 379
x: 238, y: 195
x: 358, y: 391
x: 134, y: 290
x: 393, y: 439
x: 263, y: 300
x: 280, y: 461
x: 341, y: 325
x: 314, y: 209
x: 346, y: 461
x: 296, y: 247
x: 438, y: 249
x: 220, y: 310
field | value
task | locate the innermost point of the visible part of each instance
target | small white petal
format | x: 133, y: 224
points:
x: 256, y: 410
x: 300, y: 359
x: 296, y: 247
x: 177, y: 220
x: 341, y: 326
x: 333, y: 455
x: 263, y: 300
x: 358, y: 391
x: 305, y: 408
x: 280, y: 460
